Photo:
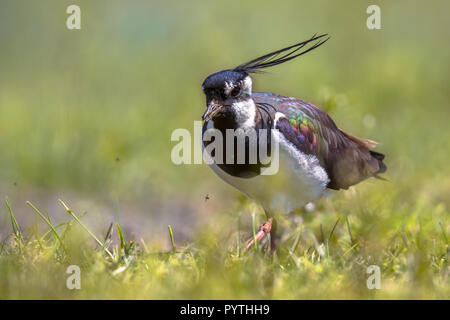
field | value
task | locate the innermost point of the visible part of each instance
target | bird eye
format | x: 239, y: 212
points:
x: 235, y: 91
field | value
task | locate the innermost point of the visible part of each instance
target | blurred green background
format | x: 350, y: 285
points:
x: 86, y: 115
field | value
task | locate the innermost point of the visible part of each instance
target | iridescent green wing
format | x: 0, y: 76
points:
x: 346, y: 159
x: 308, y: 127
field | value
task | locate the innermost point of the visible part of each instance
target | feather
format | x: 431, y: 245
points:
x: 346, y: 159
x: 273, y: 58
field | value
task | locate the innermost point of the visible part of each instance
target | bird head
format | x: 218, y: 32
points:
x: 231, y: 90
x: 226, y: 91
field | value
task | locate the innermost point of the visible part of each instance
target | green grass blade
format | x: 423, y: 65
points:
x: 108, y: 233
x: 85, y: 228
x: 321, y: 234
x: 15, y: 225
x: 297, y: 240
x: 121, y: 237
x: 174, y: 248
x: 332, y: 230
x: 3, y: 247
x: 349, y: 230
x: 48, y: 223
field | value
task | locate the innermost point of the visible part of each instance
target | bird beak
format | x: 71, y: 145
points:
x: 211, y: 111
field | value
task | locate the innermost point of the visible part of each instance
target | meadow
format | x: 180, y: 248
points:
x: 86, y: 118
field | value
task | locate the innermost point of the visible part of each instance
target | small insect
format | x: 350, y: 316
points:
x: 207, y: 197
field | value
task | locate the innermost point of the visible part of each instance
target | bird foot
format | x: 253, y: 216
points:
x: 264, y: 230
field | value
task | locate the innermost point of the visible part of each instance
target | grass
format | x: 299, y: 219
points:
x: 325, y: 257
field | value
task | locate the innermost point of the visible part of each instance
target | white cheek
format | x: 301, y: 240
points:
x: 247, y: 84
x: 228, y: 87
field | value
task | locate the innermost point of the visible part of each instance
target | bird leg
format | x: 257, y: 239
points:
x: 264, y: 230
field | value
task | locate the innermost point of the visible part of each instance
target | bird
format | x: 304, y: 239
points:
x: 314, y: 154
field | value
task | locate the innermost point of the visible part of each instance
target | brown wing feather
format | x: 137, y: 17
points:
x: 347, y: 159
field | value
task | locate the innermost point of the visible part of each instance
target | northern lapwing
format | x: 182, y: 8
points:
x: 314, y: 154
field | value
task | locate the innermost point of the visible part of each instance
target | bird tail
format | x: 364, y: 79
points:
x: 369, y: 144
x: 379, y: 157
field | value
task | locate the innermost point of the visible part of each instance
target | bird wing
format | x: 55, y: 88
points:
x: 346, y: 159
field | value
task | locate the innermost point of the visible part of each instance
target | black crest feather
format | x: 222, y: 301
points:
x: 274, y: 58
